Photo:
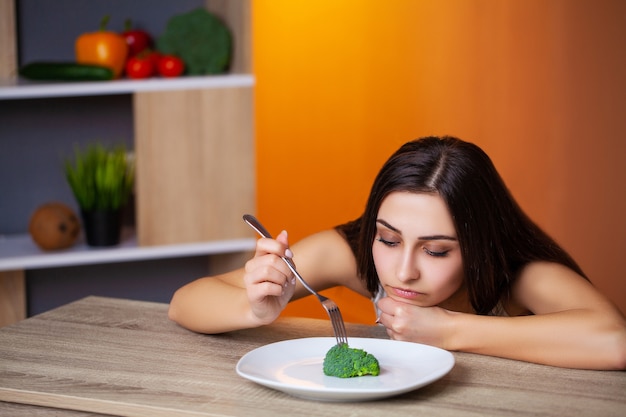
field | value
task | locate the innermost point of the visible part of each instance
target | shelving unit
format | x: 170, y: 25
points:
x: 18, y: 252
x: 194, y: 149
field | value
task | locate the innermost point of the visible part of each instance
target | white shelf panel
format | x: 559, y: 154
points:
x: 18, y: 252
x: 11, y: 89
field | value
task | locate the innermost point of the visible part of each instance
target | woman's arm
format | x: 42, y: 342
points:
x: 572, y: 324
x: 213, y: 304
x: 255, y: 295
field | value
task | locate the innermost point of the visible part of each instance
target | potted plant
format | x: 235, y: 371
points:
x: 102, y: 182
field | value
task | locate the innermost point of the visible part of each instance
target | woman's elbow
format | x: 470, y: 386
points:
x: 174, y: 311
x: 614, y: 346
x: 620, y: 350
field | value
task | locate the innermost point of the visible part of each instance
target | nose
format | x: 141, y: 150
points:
x: 407, y: 268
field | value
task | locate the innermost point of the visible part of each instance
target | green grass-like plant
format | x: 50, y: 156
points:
x: 100, y: 178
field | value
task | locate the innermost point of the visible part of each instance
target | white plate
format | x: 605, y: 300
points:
x: 295, y: 367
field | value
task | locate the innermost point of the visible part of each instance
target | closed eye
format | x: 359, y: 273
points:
x: 387, y: 242
x: 436, y: 253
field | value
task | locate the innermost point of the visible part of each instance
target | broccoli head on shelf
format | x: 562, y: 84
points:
x: 345, y: 362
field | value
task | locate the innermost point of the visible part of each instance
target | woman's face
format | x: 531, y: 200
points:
x: 416, y: 251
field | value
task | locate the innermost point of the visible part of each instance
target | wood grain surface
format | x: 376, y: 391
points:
x: 196, y: 167
x: 121, y: 357
x: 8, y: 40
x: 12, y: 297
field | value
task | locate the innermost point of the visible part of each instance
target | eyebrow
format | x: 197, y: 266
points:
x: 429, y: 237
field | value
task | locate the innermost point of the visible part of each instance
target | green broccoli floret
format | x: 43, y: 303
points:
x: 345, y: 362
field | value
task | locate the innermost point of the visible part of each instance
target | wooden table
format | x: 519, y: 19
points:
x: 121, y: 357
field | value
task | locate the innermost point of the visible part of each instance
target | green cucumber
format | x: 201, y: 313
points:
x: 65, y: 71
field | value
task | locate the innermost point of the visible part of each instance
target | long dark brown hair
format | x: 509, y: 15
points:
x: 495, y: 236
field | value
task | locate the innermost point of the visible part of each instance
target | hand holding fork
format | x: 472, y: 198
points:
x: 329, y: 305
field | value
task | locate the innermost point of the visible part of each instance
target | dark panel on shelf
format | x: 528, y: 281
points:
x: 154, y: 280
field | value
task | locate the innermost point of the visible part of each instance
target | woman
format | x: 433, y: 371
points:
x: 448, y: 257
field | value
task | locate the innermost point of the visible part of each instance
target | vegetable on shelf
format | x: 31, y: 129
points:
x: 154, y: 56
x: 140, y: 66
x: 200, y: 39
x: 105, y: 48
x: 149, y: 63
x: 170, y: 66
x: 65, y: 71
x: 137, y: 40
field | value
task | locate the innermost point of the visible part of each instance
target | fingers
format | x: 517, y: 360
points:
x: 267, y: 274
x: 386, y: 320
x: 393, y: 315
x: 278, y: 246
x: 387, y: 306
x: 412, y: 323
x: 284, y: 239
x: 269, y: 282
x: 269, y: 269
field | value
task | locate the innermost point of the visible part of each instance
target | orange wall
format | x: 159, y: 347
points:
x: 538, y: 84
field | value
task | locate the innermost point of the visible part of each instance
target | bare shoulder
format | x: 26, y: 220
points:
x: 546, y: 287
x: 325, y: 259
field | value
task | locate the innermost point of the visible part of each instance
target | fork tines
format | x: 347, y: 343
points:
x: 337, y: 322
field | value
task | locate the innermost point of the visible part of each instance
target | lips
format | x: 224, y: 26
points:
x: 404, y: 293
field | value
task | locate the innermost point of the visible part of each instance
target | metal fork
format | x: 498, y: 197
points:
x: 329, y: 305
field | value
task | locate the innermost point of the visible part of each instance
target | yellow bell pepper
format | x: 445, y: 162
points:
x: 105, y: 48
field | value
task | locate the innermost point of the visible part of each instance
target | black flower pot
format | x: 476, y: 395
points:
x: 102, y: 227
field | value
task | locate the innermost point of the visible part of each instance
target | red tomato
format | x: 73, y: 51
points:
x: 171, y: 66
x: 139, y: 67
